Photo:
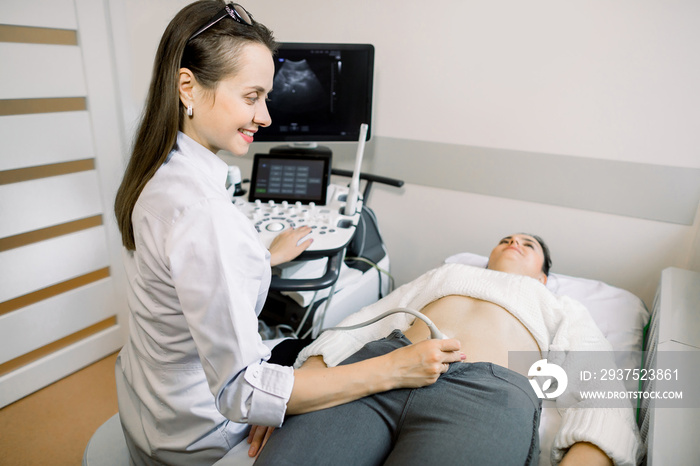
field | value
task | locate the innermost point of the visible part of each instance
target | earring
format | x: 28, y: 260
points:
x: 189, y: 110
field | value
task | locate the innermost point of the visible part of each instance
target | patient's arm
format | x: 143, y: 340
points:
x: 314, y: 361
x: 585, y: 454
x: 317, y: 386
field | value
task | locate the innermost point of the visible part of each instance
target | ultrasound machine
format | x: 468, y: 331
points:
x: 322, y: 93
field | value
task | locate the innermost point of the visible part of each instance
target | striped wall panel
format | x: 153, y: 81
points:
x: 39, y: 13
x: 60, y: 199
x: 35, y: 266
x: 52, y: 367
x: 52, y: 319
x: 64, y: 136
x: 57, y: 295
x: 41, y: 71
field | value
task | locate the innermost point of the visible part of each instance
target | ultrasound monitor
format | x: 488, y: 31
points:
x: 293, y: 178
x: 321, y: 92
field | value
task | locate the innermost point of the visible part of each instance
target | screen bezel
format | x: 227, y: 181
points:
x: 326, y: 176
x: 272, y: 134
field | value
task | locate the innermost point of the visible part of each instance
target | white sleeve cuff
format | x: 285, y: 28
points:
x: 272, y: 387
x: 334, y: 346
x: 613, y: 430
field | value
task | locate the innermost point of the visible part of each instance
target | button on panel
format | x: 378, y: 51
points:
x: 331, y: 229
x: 275, y: 226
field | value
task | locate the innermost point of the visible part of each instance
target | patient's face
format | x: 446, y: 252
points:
x: 519, y: 254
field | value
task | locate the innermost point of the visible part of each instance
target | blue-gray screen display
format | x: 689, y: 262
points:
x: 290, y: 180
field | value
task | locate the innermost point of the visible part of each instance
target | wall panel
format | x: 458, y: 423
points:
x: 55, y: 137
x: 41, y: 71
x: 51, y: 368
x: 34, y: 267
x: 59, y: 305
x: 40, y: 13
x: 55, y: 318
x: 35, y: 204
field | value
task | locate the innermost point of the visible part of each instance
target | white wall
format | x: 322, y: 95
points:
x: 597, y: 79
x: 694, y: 250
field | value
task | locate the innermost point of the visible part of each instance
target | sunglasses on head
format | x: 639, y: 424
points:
x: 231, y: 10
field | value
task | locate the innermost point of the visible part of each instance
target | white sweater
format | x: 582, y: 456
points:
x: 559, y: 324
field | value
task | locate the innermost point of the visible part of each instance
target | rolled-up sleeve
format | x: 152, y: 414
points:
x: 272, y: 387
x: 221, y: 273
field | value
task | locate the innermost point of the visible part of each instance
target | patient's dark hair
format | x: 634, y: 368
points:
x: 547, y: 264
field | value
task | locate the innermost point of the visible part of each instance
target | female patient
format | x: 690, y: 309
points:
x: 197, y: 272
x: 478, y: 412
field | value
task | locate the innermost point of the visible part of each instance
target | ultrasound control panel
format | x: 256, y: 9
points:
x: 331, y: 227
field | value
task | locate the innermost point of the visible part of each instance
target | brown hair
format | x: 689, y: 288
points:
x: 211, y: 56
x: 547, y: 263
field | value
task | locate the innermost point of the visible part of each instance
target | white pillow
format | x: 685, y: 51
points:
x: 619, y: 314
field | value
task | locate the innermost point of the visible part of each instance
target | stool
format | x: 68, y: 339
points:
x: 107, y: 446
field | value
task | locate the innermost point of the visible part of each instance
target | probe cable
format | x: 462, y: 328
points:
x: 434, y: 332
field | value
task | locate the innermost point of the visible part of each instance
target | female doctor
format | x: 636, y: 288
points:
x: 193, y: 372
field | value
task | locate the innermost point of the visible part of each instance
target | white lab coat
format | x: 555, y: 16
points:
x: 194, y: 361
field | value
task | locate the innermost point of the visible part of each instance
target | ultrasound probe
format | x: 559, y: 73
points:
x: 434, y: 332
x: 354, y: 193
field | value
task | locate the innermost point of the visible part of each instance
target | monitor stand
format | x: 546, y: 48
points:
x: 301, y: 148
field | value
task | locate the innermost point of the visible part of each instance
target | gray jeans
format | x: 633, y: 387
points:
x: 475, y: 414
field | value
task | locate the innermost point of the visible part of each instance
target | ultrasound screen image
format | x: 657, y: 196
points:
x: 305, y: 92
x: 319, y: 94
x: 297, y: 86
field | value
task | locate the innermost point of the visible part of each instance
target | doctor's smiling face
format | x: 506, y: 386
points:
x: 228, y: 116
x: 520, y: 254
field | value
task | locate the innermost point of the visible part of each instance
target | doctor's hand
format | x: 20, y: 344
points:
x: 422, y: 363
x: 284, y: 247
x: 257, y: 438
